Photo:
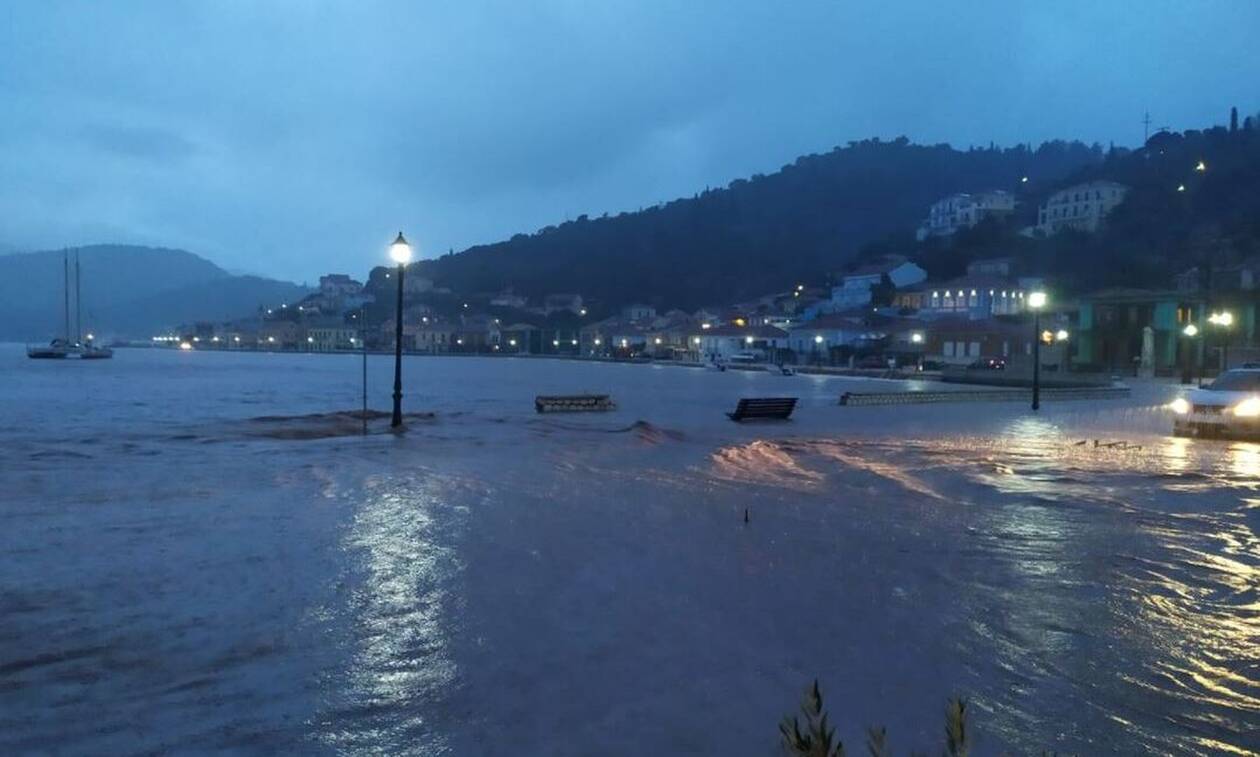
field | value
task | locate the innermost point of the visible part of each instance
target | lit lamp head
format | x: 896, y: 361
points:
x: 1037, y: 300
x: 748, y: 340
x: 1225, y: 319
x: 1047, y: 336
x: 916, y: 338
x: 1190, y: 330
x: 818, y: 339
x: 1061, y: 335
x: 400, y: 251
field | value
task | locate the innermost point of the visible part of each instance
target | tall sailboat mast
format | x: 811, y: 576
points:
x: 65, y: 293
x: 78, y: 303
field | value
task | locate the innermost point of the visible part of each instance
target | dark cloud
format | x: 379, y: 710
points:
x: 291, y: 138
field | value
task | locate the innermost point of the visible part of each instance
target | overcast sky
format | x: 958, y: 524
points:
x: 294, y: 137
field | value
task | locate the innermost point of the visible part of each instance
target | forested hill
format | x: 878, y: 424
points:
x: 1194, y: 200
x: 755, y: 235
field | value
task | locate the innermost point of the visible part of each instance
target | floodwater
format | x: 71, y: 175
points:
x: 178, y: 575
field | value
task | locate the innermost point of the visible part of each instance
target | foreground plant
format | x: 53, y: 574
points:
x: 817, y: 739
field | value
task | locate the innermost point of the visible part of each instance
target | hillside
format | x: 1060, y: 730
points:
x: 755, y: 235
x: 126, y: 291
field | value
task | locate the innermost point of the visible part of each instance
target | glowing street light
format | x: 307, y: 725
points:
x: 1201, y: 167
x: 1036, y: 301
x: 1224, y: 320
x: 400, y: 253
x: 1061, y: 335
x: 916, y: 337
x: 1190, y: 330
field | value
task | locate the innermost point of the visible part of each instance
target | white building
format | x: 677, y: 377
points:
x: 1081, y: 207
x: 962, y: 211
x: 723, y: 342
x: 854, y: 289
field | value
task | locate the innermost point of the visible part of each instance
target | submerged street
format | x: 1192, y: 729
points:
x: 499, y: 582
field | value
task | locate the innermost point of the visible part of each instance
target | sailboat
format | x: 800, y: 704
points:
x: 63, y: 347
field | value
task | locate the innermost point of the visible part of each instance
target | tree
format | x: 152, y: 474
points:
x: 882, y: 293
x: 1233, y: 120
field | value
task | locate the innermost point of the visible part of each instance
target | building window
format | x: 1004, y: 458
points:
x: 973, y: 349
x: 948, y: 349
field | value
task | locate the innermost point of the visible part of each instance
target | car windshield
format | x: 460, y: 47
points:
x: 1237, y: 381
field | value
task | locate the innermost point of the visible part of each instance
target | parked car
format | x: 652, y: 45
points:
x: 988, y: 364
x: 1229, y: 406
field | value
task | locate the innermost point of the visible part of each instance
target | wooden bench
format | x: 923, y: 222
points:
x: 775, y: 408
x: 573, y: 403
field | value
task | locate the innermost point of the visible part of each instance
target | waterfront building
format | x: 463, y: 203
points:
x: 854, y: 289
x: 725, y: 341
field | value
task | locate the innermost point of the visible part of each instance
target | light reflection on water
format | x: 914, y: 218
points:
x: 404, y: 537
x: 1141, y: 557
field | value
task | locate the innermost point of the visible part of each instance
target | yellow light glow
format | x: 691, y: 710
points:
x: 1248, y: 408
x: 1180, y: 406
x: 740, y: 322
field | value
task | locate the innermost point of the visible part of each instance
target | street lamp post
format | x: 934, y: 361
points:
x: 400, y: 251
x: 1224, y: 319
x: 1190, y: 331
x: 1036, y: 301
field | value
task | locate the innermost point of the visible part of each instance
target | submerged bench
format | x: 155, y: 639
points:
x: 573, y: 403
x: 777, y: 408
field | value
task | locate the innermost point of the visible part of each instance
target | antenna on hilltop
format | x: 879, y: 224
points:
x: 1146, y: 126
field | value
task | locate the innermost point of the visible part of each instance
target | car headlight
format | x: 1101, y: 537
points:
x: 1248, y: 408
x: 1180, y: 406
